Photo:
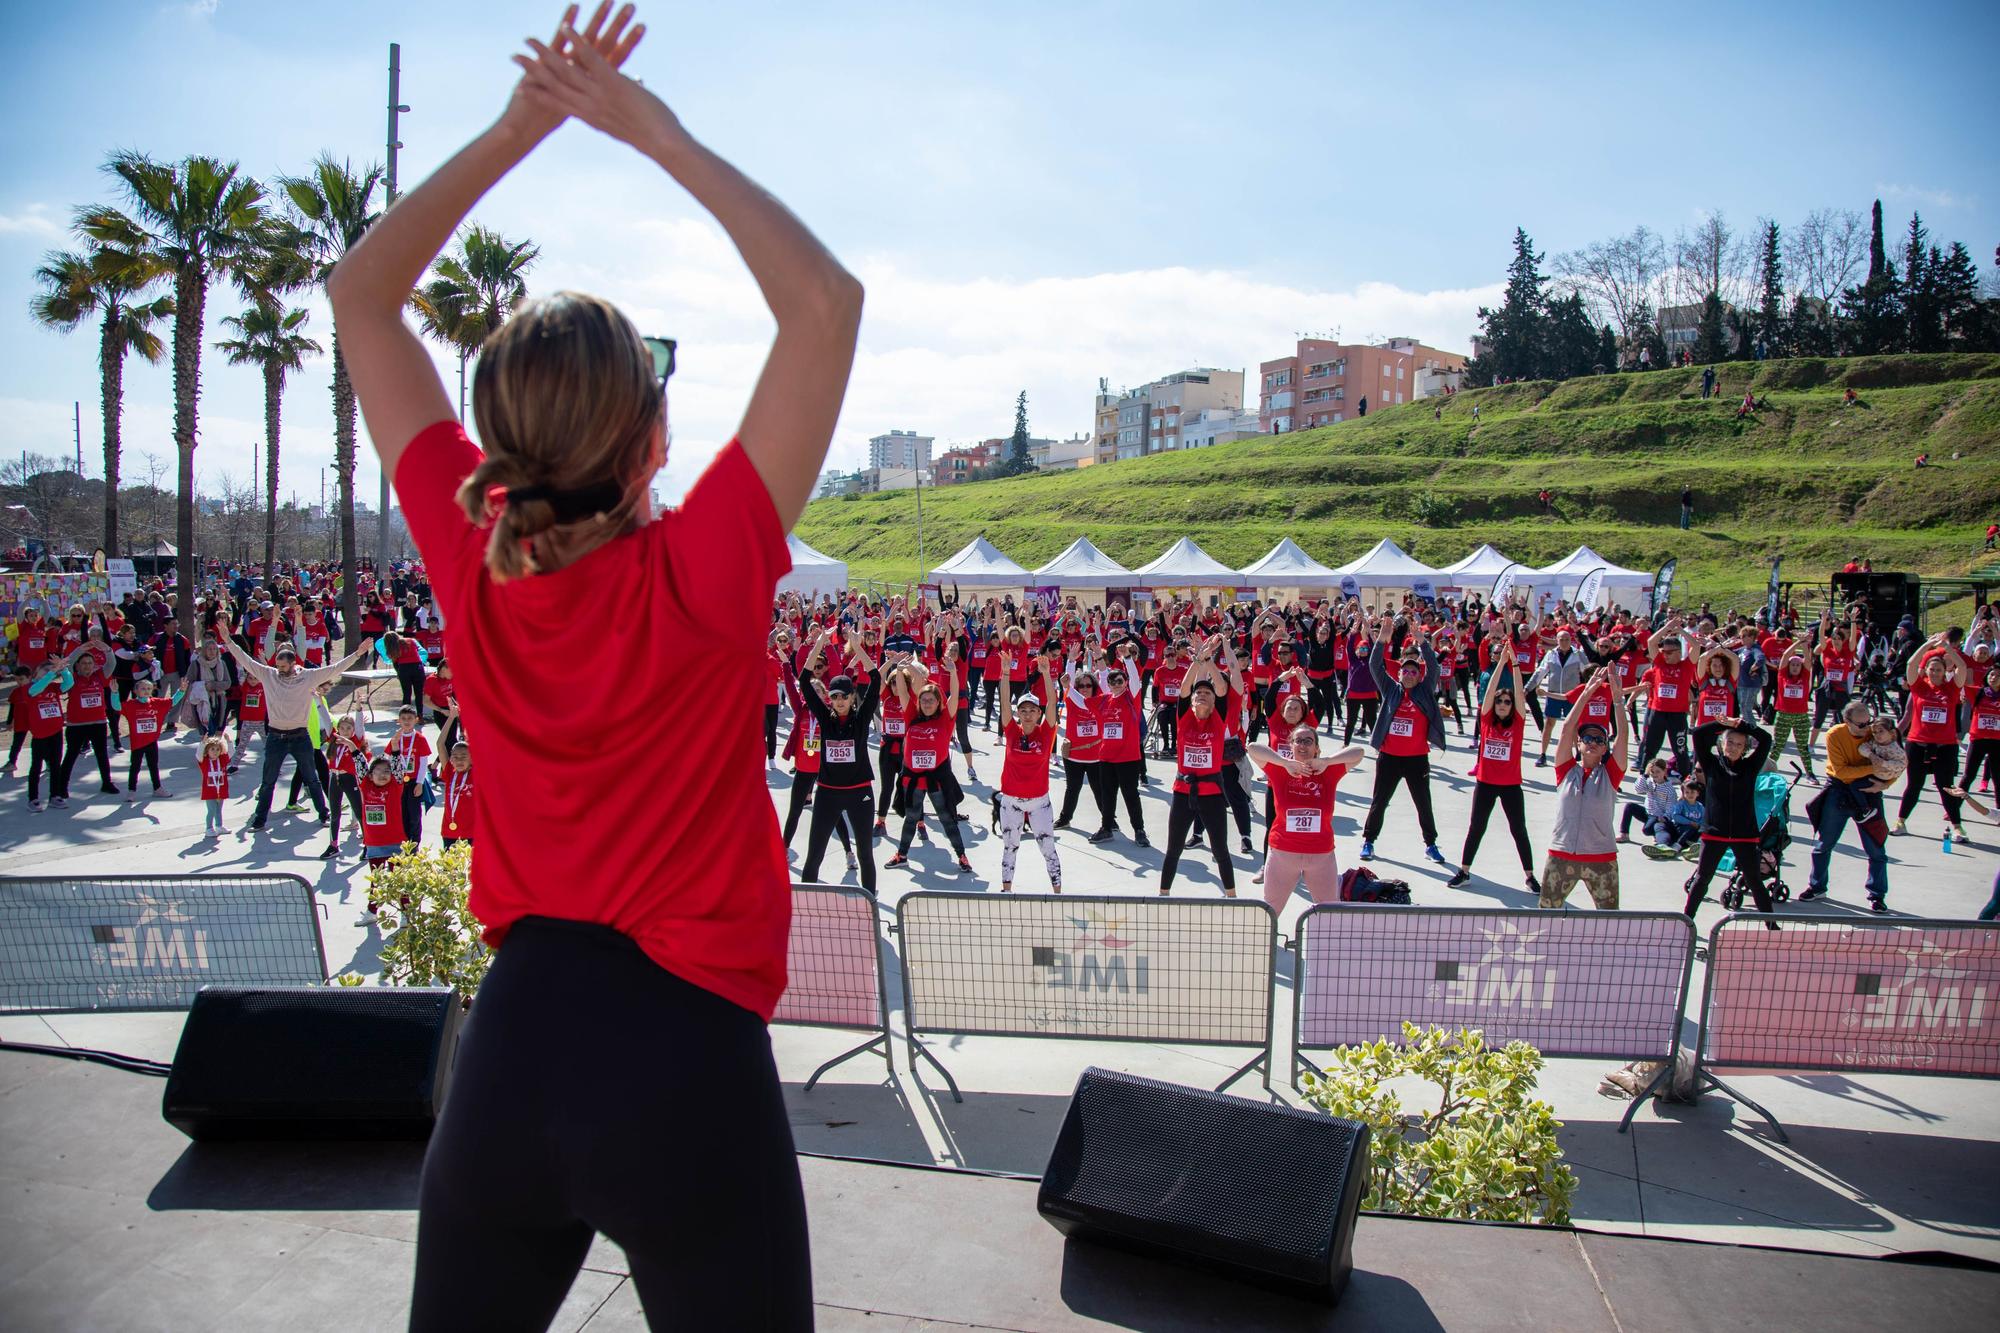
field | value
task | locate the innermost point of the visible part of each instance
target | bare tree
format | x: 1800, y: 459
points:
x: 44, y: 500
x: 1617, y: 277
x: 1826, y: 253
x: 1710, y: 258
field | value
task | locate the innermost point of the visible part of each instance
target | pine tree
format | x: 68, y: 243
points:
x: 1648, y: 336
x: 1922, y: 330
x: 1569, y: 343
x: 1807, y: 330
x: 1960, y: 312
x: 1770, y: 315
x: 1871, y: 315
x: 1018, y: 452
x: 1710, y: 339
x: 1607, y: 351
x: 1514, y: 335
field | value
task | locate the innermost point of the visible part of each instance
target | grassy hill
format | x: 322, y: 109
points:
x: 1806, y: 477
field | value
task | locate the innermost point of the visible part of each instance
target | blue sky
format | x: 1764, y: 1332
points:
x: 1036, y: 194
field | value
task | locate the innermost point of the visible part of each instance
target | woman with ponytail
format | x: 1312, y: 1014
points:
x: 620, y: 909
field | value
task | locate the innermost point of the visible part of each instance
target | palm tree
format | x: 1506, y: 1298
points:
x: 268, y: 336
x: 198, y: 218
x: 331, y: 207
x: 472, y: 293
x: 110, y: 283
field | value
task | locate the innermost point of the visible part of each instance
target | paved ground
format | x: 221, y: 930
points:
x: 1876, y: 1164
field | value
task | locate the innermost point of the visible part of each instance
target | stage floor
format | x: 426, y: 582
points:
x: 113, y: 1220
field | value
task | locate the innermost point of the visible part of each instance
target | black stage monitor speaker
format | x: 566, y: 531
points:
x: 313, y: 1062
x: 1264, y: 1193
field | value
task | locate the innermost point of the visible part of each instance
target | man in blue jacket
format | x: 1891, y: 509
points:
x: 1407, y: 727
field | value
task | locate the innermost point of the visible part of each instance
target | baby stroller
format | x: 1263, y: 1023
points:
x: 1773, y: 802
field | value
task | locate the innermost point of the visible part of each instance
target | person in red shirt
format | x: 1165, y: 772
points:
x: 1716, y: 697
x: 1791, y: 701
x: 927, y: 770
x: 346, y: 757
x: 457, y: 797
x: 38, y: 713
x: 17, y: 715
x: 898, y: 696
x: 34, y: 640
x: 1199, y: 729
x: 213, y: 763
x: 1029, y: 742
x: 776, y: 662
x: 1083, y: 738
x: 441, y: 694
x: 407, y: 749
x: 1302, y: 786
x: 1670, y: 684
x: 603, y: 876
x: 144, y: 716
x: 1982, y: 756
x: 1122, y: 763
x: 1836, y: 660
x: 1938, y: 677
x: 87, y: 692
x: 1497, y: 772
x: 381, y: 824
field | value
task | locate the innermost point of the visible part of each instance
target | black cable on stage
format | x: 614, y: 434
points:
x: 131, y: 1064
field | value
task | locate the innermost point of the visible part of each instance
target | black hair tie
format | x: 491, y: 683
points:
x: 571, y: 505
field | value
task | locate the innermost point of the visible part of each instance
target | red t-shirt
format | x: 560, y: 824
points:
x: 1669, y: 687
x: 457, y: 799
x: 1119, y: 722
x: 1083, y: 728
x: 43, y: 712
x: 1934, y: 713
x: 1714, y: 703
x: 382, y: 814
x: 1499, y: 762
x: 407, y: 751
x: 31, y: 649
x: 927, y: 747
x: 439, y: 692
x: 87, y: 700
x: 253, y: 709
x: 342, y: 753
x: 215, y: 779
x: 1839, y: 667
x: 1302, y: 808
x: 1025, y: 771
x: 568, y: 832
x: 1793, y: 694
x: 1986, y: 716
x: 143, y: 719
x: 1597, y: 708
x: 1200, y: 743
x: 1409, y: 731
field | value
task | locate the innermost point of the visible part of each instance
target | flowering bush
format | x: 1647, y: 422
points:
x: 431, y: 936
x: 1487, y: 1153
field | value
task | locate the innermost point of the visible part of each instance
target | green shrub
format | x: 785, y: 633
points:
x: 432, y: 938
x: 1487, y: 1153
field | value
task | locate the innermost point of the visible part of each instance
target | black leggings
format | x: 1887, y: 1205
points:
x: 410, y: 675
x: 1668, y: 728
x: 1363, y: 711
x: 1322, y: 698
x: 1121, y: 777
x: 1940, y: 764
x: 149, y: 755
x: 1484, y: 797
x: 1208, y: 809
x: 1984, y: 755
x: 1412, y: 770
x: 14, y: 750
x: 892, y: 788
x: 1239, y: 799
x: 45, y: 751
x: 75, y: 737
x: 344, y: 784
x: 1079, y: 774
x: 839, y: 809
x: 1749, y: 863
x: 802, y: 791
x: 770, y: 732
x: 913, y: 798
x: 554, y: 1131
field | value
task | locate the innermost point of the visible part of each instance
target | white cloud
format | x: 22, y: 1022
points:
x: 1924, y: 195
x: 37, y: 221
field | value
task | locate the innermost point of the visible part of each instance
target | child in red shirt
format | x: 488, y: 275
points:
x: 381, y: 822
x: 144, y: 716
x: 214, y: 765
x: 458, y: 796
x: 347, y: 754
x: 407, y: 750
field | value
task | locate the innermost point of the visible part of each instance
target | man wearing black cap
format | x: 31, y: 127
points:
x: 1731, y: 753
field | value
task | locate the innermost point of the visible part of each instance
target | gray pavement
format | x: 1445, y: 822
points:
x: 1878, y: 1163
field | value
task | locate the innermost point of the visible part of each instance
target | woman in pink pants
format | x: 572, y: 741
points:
x: 1302, y: 788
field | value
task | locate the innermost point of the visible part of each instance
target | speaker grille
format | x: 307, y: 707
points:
x: 1244, y: 1183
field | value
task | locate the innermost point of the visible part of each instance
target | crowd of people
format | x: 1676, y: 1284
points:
x: 1697, y: 706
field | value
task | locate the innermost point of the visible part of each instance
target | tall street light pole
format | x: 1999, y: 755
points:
x: 396, y: 109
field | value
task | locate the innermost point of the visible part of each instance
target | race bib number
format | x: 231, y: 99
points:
x: 1713, y: 709
x: 90, y: 701
x: 1986, y: 724
x: 145, y: 726
x: 1402, y: 726
x: 49, y: 709
x: 1086, y: 731
x: 376, y: 814
x: 1795, y: 691
x: 1302, y: 821
x: 894, y: 726
x: 1498, y: 751
x: 812, y: 745
x: 1836, y: 678
x: 1197, y: 756
x: 253, y: 698
x: 1282, y: 751
x: 36, y: 642
x: 1114, y: 731
x: 1170, y: 691
x: 840, y: 752
x: 1933, y: 716
x: 922, y: 760
x: 1669, y: 691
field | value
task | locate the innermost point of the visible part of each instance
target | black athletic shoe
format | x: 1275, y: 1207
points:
x: 1102, y: 835
x: 1139, y: 839
x: 1534, y: 886
x: 1062, y: 823
x: 1463, y: 877
x: 1812, y: 893
x: 1247, y: 848
x: 1877, y: 906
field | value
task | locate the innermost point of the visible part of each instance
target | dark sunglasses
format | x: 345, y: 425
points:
x: 663, y: 358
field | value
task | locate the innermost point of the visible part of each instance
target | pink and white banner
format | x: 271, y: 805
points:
x: 1598, y: 984
x: 1919, y: 999
x: 832, y: 960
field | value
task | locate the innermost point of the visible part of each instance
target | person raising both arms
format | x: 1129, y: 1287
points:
x: 1938, y: 678
x: 1302, y: 784
x: 1198, y: 731
x: 1590, y: 763
x: 1497, y: 772
x: 603, y: 894
x: 1027, y: 740
x: 927, y: 772
x: 1406, y: 729
x: 846, y: 784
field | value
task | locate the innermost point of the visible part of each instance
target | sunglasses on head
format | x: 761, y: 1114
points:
x: 663, y: 358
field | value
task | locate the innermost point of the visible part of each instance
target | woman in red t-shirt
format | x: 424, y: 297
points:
x: 1938, y: 677
x: 602, y: 875
x: 1028, y: 742
x: 927, y: 769
x: 87, y: 695
x: 1982, y: 757
x: 1496, y: 774
x: 1083, y: 737
x: 1121, y: 724
x: 39, y: 713
x: 1199, y: 728
x: 1302, y: 786
x: 1288, y: 712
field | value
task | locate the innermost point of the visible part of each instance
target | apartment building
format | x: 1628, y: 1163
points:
x: 904, y: 449
x: 1148, y: 419
x: 965, y: 462
x: 1323, y: 381
x: 1218, y: 425
x: 1060, y: 455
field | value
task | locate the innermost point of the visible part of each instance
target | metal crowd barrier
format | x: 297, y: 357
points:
x: 1187, y: 972
x: 833, y: 960
x: 145, y: 942
x: 1609, y: 985
x: 1843, y: 995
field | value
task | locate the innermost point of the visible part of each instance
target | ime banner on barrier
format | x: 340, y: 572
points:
x: 1814, y: 995
x: 1590, y: 984
x: 1113, y: 968
x: 831, y: 961
x: 71, y: 945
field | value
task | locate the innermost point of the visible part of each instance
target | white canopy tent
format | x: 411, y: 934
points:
x: 1387, y: 565
x: 1476, y: 572
x: 979, y: 564
x: 1082, y: 565
x: 1185, y: 565
x: 813, y: 572
x: 1287, y: 566
x: 1566, y: 576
